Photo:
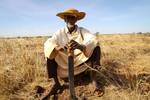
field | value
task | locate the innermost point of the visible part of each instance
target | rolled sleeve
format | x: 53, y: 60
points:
x: 90, y: 42
x: 49, y: 46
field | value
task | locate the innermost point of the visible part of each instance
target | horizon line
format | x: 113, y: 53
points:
x: 28, y: 36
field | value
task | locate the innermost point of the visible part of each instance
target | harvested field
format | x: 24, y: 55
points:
x: 125, y: 73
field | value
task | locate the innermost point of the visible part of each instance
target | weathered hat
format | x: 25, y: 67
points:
x: 71, y: 12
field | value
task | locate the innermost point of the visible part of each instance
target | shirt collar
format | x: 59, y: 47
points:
x: 67, y: 31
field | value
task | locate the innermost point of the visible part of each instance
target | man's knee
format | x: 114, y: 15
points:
x: 97, y: 49
x: 96, y: 53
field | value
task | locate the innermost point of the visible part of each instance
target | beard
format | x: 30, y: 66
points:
x: 69, y: 25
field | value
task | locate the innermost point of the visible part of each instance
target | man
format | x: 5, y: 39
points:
x: 84, y: 44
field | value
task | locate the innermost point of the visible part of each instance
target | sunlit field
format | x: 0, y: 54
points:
x: 125, y: 72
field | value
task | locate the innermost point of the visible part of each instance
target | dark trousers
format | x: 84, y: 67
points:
x: 94, y: 59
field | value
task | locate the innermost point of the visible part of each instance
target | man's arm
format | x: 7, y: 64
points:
x: 55, y: 52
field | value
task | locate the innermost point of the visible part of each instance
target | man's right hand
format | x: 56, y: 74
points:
x: 59, y: 48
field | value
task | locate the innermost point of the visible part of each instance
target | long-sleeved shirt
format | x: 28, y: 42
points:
x: 61, y: 38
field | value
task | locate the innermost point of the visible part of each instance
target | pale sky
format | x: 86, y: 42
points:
x: 38, y: 17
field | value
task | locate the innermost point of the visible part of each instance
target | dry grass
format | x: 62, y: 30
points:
x: 125, y: 61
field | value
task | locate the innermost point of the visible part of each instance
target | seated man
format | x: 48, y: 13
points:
x: 84, y: 44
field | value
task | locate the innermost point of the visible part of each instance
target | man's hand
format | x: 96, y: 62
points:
x: 59, y: 48
x: 75, y: 45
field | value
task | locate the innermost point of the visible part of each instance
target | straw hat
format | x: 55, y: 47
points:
x: 71, y: 12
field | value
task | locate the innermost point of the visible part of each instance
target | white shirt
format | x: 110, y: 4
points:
x: 61, y: 38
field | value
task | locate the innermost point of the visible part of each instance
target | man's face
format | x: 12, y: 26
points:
x: 70, y: 20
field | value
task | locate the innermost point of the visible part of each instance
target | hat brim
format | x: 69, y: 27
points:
x: 79, y: 15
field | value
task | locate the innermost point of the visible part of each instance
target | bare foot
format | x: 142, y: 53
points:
x: 53, y: 91
x: 55, y: 88
x: 98, y: 90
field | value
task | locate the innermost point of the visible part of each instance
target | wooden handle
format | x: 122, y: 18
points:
x: 71, y: 73
x: 70, y: 52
